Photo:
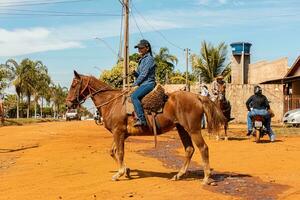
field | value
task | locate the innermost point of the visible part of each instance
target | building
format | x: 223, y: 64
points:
x: 291, y: 86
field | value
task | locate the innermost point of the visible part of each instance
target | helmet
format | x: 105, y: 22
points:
x: 257, y: 90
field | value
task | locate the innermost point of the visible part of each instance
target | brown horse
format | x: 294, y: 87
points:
x: 182, y: 110
x: 225, y: 106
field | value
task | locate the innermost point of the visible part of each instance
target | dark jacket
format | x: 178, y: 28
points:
x: 259, y: 102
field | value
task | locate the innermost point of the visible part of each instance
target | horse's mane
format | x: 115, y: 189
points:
x: 101, y: 83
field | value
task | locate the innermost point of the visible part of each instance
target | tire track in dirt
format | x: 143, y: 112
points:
x: 244, y: 186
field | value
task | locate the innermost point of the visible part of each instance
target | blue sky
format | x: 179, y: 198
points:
x: 35, y: 29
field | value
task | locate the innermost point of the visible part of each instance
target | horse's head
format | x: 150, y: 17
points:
x: 78, y: 91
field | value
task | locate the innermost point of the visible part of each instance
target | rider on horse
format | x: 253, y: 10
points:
x: 218, y: 87
x: 145, y: 79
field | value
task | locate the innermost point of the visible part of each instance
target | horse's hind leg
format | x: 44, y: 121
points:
x: 189, y: 151
x: 199, y: 141
x: 225, y: 130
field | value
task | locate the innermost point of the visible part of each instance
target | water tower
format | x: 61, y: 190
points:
x: 240, y: 61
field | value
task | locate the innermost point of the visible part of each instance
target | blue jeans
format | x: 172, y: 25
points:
x: 265, y: 115
x: 136, y: 98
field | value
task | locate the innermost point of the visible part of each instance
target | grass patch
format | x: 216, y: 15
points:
x: 23, y: 121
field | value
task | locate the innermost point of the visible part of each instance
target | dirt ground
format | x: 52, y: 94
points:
x: 70, y: 160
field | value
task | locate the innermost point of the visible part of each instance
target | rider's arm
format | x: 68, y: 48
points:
x: 266, y: 102
x: 248, y: 102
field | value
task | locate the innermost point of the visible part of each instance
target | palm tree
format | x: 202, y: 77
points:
x: 18, y: 74
x: 29, y: 77
x: 41, y: 84
x: 211, y: 62
x: 59, y: 95
x: 165, y: 64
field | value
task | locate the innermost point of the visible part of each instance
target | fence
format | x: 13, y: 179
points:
x: 291, y: 102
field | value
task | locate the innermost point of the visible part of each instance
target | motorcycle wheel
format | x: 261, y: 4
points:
x: 257, y: 136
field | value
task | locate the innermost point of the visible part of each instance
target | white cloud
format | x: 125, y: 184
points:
x: 40, y: 39
x: 32, y: 40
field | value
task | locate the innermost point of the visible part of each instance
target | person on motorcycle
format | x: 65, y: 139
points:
x: 258, y: 104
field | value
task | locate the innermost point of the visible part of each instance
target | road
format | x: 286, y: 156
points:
x: 70, y: 160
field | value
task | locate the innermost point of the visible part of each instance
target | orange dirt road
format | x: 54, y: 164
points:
x: 70, y: 160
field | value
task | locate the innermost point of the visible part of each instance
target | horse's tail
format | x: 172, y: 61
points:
x: 214, y: 116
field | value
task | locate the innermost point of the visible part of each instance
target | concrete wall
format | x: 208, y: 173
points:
x: 264, y: 70
x: 238, y: 94
x: 237, y: 71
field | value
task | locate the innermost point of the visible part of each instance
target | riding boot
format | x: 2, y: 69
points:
x: 140, y: 123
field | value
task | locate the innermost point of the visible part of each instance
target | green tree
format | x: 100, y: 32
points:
x: 58, y: 97
x: 114, y: 76
x: 18, y: 74
x: 5, y: 76
x: 30, y: 77
x: 211, y: 62
x: 165, y: 63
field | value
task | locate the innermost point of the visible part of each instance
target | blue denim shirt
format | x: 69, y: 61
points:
x: 145, y: 71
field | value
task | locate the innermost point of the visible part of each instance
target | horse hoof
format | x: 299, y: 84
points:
x: 127, y: 173
x: 226, y: 138
x: 115, y: 178
x: 209, y: 182
x: 175, y: 178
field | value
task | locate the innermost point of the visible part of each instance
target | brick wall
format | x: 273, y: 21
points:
x: 238, y: 94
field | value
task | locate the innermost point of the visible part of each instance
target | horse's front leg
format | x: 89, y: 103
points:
x: 119, y: 140
x: 113, y: 151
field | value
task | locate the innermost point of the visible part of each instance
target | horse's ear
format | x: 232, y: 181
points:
x: 76, y: 74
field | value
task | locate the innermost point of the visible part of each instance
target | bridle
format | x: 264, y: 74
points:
x: 91, y: 93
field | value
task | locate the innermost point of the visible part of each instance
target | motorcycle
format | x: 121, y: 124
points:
x: 259, y: 129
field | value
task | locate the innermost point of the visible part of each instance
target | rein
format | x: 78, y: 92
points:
x: 93, y: 92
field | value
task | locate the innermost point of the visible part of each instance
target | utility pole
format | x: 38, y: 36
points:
x: 126, y: 44
x: 187, y: 53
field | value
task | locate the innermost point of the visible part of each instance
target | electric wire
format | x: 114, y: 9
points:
x: 160, y: 33
x: 36, y: 3
x: 137, y: 25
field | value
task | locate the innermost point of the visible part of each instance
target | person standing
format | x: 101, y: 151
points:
x: 204, y: 92
x: 145, y: 80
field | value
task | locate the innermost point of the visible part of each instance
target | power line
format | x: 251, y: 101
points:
x: 34, y: 3
x: 58, y: 12
x: 108, y: 46
x: 59, y: 15
x: 137, y: 25
x: 160, y: 33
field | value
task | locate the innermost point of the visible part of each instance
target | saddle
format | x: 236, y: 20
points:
x: 153, y: 102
